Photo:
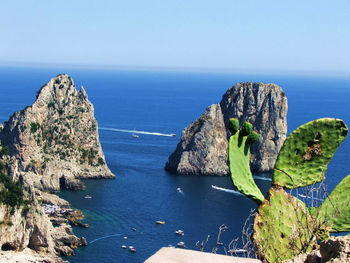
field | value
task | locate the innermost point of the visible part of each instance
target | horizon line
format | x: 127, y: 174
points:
x: 175, y: 69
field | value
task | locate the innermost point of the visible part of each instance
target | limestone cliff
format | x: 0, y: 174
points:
x: 55, y: 141
x: 203, y: 145
x: 48, y: 145
x: 25, y: 224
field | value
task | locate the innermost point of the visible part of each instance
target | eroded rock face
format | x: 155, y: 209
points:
x: 56, y: 137
x: 52, y: 144
x: 203, y: 145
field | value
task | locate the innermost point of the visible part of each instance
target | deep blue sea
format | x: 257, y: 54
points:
x: 142, y: 192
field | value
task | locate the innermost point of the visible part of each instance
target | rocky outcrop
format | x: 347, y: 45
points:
x: 44, y: 147
x: 333, y: 250
x: 28, y: 256
x: 202, y: 149
x: 203, y: 146
x: 55, y: 141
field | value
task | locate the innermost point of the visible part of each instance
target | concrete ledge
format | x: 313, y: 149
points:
x: 179, y: 255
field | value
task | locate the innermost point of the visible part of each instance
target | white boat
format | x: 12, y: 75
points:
x: 160, y: 222
x: 237, y: 251
x: 125, y: 237
x: 132, y: 249
x: 88, y: 197
x: 181, y: 244
x: 180, y: 232
x: 135, y: 136
x: 172, y: 134
x: 179, y: 189
x: 123, y: 246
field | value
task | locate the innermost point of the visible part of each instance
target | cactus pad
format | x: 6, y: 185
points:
x: 305, y: 154
x: 282, y: 227
x: 239, y: 157
x: 335, y: 210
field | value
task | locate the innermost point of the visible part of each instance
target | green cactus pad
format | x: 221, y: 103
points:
x: 233, y: 125
x: 238, y: 157
x: 282, y: 227
x: 335, y: 210
x: 307, y: 151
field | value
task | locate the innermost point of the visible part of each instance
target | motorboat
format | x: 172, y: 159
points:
x: 135, y: 136
x: 237, y: 251
x: 180, y: 232
x: 123, y: 246
x: 160, y: 222
x: 132, y: 249
x: 219, y: 243
x: 88, y: 197
x: 172, y: 134
x: 179, y: 189
x: 181, y: 244
x: 125, y: 237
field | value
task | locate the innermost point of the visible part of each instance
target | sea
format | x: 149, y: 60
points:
x: 152, y: 105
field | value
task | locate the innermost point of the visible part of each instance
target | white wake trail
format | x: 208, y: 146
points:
x: 138, y: 132
x: 261, y: 178
x: 226, y: 190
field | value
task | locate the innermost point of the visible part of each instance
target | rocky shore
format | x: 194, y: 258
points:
x: 202, y: 149
x: 47, y: 146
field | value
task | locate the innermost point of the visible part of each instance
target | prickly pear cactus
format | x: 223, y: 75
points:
x: 279, y: 227
x: 335, y: 210
x: 284, y: 227
x: 239, y: 156
x: 305, y: 154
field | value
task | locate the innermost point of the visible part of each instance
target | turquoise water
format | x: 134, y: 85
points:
x: 142, y: 191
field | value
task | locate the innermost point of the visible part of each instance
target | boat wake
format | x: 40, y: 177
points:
x: 137, y: 132
x: 262, y: 178
x: 227, y: 190
x: 97, y: 239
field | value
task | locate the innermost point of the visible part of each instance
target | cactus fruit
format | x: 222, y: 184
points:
x: 281, y: 227
x: 239, y: 156
x: 284, y: 227
x: 305, y: 154
x: 335, y: 210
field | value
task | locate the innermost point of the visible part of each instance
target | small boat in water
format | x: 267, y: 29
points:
x: 172, y: 134
x: 180, y: 232
x: 123, y: 246
x: 135, y: 136
x: 160, y: 222
x: 181, y: 244
x: 132, y: 249
x: 179, y: 189
x: 237, y: 251
x: 88, y: 197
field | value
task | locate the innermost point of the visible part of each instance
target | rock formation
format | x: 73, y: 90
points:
x: 55, y: 141
x: 44, y: 147
x: 333, y: 250
x: 203, y: 145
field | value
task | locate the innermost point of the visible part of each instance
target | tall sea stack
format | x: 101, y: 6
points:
x: 45, y: 147
x: 55, y: 141
x: 202, y: 149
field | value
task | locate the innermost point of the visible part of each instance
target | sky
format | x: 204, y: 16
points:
x: 252, y: 35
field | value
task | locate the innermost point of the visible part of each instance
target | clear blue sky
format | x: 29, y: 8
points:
x: 266, y: 35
